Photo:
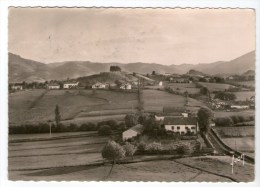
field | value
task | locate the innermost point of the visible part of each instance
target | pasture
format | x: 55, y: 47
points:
x: 193, y: 169
x: 240, y: 131
x: 183, y: 87
x: 246, y: 83
x: 243, y: 96
x: 69, y: 151
x: 36, y: 106
x: 212, y: 87
x: 244, y: 113
x: 155, y: 100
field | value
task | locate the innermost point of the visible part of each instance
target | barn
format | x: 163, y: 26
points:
x: 132, y: 132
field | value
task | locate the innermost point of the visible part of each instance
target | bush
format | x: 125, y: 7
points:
x: 113, y: 151
x: 141, y: 146
x: 87, y: 127
x: 183, y: 149
x: 225, y: 121
x: 104, y: 130
x: 154, y: 147
x: 130, y: 149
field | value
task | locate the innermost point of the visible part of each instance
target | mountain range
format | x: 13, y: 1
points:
x: 21, y: 69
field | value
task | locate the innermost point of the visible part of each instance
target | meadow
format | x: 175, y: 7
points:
x: 192, y: 169
x: 243, y: 96
x: 240, y: 138
x: 155, y: 100
x: 213, y: 87
x: 183, y: 87
x: 34, y: 106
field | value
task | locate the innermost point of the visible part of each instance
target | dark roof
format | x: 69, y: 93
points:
x: 174, y: 109
x: 180, y: 121
x: 53, y: 84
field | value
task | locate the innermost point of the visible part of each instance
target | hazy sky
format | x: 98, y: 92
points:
x: 166, y: 36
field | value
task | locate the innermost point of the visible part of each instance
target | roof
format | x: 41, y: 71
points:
x: 53, y: 84
x: 174, y: 109
x: 72, y: 82
x: 180, y: 121
x: 137, y: 128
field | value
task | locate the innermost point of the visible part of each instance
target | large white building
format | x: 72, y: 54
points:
x: 126, y: 86
x: 98, y: 85
x: 181, y: 125
x: 132, y: 132
x: 68, y: 85
x: 53, y: 86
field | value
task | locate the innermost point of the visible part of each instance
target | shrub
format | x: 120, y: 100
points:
x: 154, y: 147
x: 113, y: 151
x: 225, y: 121
x: 130, y: 149
x: 104, y: 130
x: 141, y: 146
x: 183, y: 149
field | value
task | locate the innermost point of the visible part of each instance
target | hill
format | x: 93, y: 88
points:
x: 21, y: 69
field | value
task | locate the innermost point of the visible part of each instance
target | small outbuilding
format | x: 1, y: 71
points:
x: 132, y: 132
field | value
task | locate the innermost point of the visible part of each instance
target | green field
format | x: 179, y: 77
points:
x: 155, y: 100
x: 243, y: 96
x: 245, y: 113
x: 216, y: 86
x: 246, y: 83
x: 80, y: 105
x: 183, y: 87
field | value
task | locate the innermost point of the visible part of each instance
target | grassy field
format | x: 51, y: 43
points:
x: 246, y: 83
x: 243, y: 96
x: 183, y: 87
x: 240, y: 131
x: 34, y: 106
x: 155, y: 100
x: 55, y: 153
x: 245, y: 113
x: 239, y: 138
x: 216, y: 86
x: 207, y: 169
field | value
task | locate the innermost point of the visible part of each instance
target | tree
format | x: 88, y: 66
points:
x: 131, y: 120
x: 115, y: 68
x: 130, y: 149
x: 205, y: 115
x: 113, y: 151
x: 204, y: 90
x: 153, y: 73
x: 104, y: 130
x: 57, y: 115
x: 226, y: 96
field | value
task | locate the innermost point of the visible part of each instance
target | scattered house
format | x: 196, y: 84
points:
x: 17, y: 86
x: 181, y: 125
x: 132, y: 132
x: 69, y: 85
x: 53, y: 86
x: 179, y: 80
x: 126, y: 86
x: 160, y: 83
x: 252, y: 99
x: 98, y: 85
x: 239, y: 107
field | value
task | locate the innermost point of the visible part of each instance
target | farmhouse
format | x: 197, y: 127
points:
x: 98, y: 85
x: 126, y: 86
x: 68, y: 85
x: 239, y: 107
x: 53, y: 86
x: 132, y: 132
x: 181, y: 125
x: 17, y: 86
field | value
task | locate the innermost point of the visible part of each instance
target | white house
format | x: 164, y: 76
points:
x: 126, y: 86
x: 98, y: 85
x: 17, y: 86
x: 160, y: 83
x: 181, y: 125
x: 53, y: 86
x: 68, y: 85
x: 239, y: 106
x: 132, y: 132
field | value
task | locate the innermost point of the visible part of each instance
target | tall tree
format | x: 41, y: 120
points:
x: 57, y: 115
x: 205, y: 115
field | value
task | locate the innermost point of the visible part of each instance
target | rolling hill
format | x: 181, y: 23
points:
x: 21, y: 69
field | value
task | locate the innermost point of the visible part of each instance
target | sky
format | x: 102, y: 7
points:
x: 163, y: 36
